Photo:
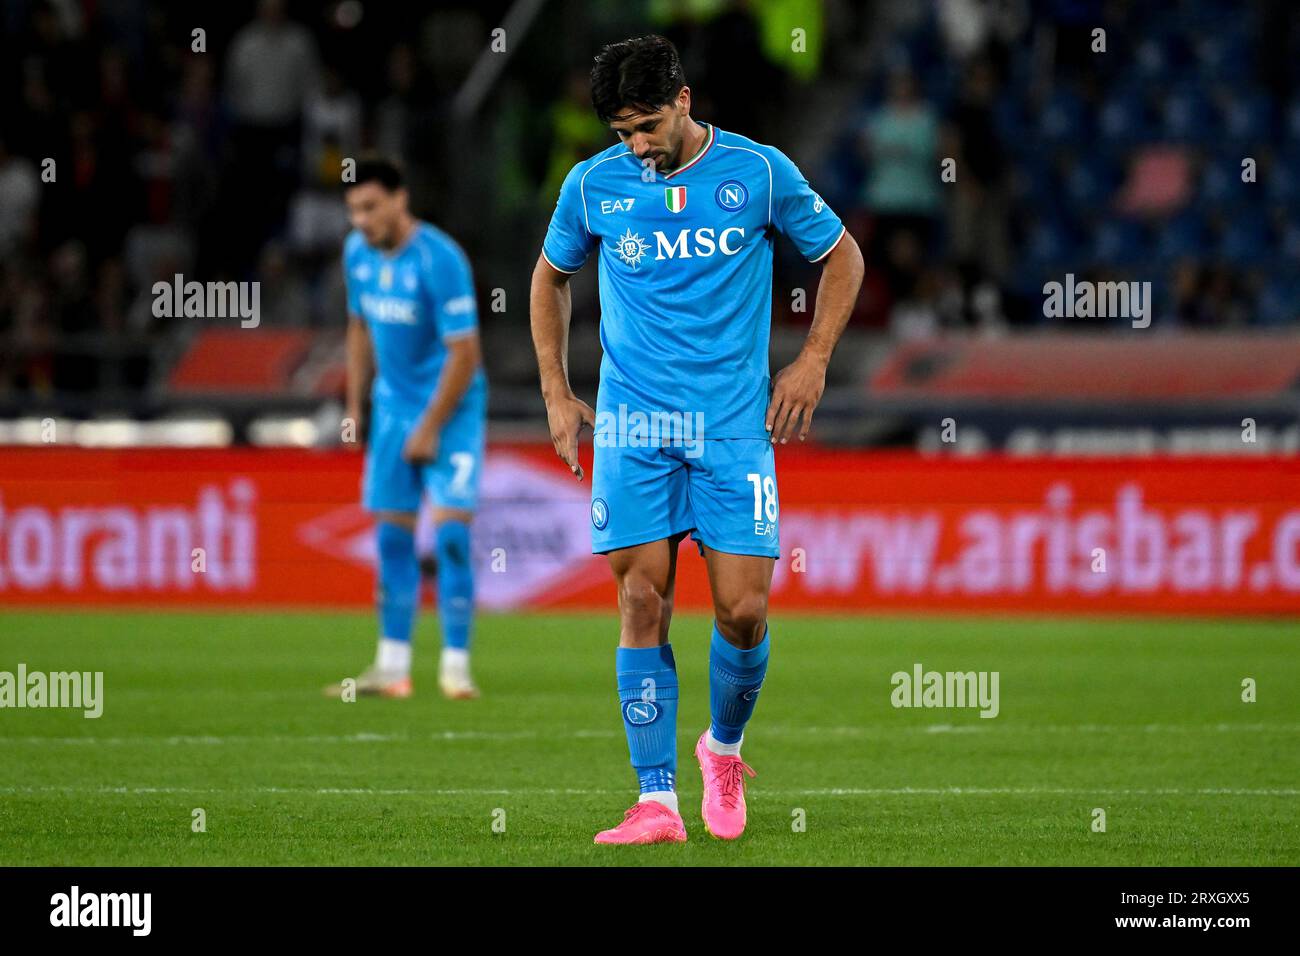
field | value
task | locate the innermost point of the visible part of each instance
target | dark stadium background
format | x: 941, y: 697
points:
x: 1119, y: 165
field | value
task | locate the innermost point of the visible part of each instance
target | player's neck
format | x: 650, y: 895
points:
x: 692, y: 142
x: 404, y: 233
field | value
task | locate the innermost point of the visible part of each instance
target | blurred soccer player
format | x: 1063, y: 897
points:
x: 413, y: 327
x: 684, y: 216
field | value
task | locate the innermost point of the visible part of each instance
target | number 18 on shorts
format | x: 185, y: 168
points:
x: 722, y: 490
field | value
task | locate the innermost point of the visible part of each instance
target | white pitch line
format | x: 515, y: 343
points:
x: 883, y: 732
x: 824, y: 792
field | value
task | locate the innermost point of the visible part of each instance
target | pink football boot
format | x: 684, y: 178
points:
x: 649, y: 822
x: 723, y: 806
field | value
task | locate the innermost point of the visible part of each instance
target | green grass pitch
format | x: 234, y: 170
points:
x: 1141, y: 718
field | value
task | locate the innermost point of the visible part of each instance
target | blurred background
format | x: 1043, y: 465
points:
x: 224, y: 164
x: 975, y: 449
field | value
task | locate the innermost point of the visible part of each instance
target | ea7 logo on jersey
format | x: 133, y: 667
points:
x: 699, y: 243
x: 616, y: 205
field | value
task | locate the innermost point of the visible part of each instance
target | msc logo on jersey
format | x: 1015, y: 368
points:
x: 732, y: 196
x: 599, y: 514
x: 384, y: 308
x: 675, y: 198
x: 639, y: 712
x: 630, y: 248
x: 699, y: 243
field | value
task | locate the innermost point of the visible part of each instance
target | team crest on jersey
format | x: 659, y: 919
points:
x: 732, y: 195
x: 599, y: 514
x: 410, y: 281
x: 675, y: 198
x: 631, y: 247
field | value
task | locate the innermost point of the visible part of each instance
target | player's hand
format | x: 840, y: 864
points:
x: 421, y: 446
x: 566, y: 416
x: 796, y: 390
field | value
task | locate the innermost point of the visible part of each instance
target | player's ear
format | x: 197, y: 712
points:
x: 684, y: 100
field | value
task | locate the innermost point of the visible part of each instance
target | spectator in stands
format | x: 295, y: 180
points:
x: 20, y: 198
x: 270, y: 71
x: 978, y: 208
x: 902, y: 191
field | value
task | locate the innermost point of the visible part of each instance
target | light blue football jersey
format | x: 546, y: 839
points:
x: 412, y: 300
x: 686, y: 275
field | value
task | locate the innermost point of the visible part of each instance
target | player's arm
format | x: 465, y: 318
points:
x: 798, y: 387
x: 550, y: 309
x: 804, y: 218
x: 457, y: 321
x: 464, y: 356
x: 361, y: 369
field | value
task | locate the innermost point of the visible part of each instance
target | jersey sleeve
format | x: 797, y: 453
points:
x: 455, y: 306
x: 568, y: 242
x: 799, y: 213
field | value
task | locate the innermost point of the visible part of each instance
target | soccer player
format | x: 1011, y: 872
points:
x: 684, y: 216
x: 413, y: 328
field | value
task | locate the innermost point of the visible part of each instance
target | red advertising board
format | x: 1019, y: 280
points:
x: 860, y: 531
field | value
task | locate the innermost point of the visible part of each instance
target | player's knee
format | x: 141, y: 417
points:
x: 452, y: 543
x: 743, y: 618
x: 643, y: 607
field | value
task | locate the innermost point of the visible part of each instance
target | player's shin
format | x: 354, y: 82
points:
x: 455, y: 584
x: 647, y: 693
x: 735, y: 677
x: 455, y: 605
x: 398, y: 594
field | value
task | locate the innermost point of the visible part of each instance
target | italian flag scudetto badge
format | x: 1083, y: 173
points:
x: 675, y: 198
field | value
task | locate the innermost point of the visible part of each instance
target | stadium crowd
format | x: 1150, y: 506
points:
x: 1166, y: 153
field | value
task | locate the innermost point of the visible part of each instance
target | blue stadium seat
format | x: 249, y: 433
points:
x: 1090, y: 180
x: 1188, y: 116
x: 1289, y: 244
x: 1292, y: 122
x: 1119, y: 242
x: 1123, y: 118
x: 1281, y: 179
x: 1247, y: 117
x: 1221, y: 184
x: 1221, y: 54
x: 1063, y: 119
x: 1279, y: 300
x: 1184, y: 236
x: 1246, y: 239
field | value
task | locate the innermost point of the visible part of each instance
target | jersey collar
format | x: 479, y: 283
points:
x: 694, y: 160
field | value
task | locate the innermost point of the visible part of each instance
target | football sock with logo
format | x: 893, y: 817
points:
x: 735, y: 677
x: 455, y: 584
x: 398, y: 593
x: 647, y: 694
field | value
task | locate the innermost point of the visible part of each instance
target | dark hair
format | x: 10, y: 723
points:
x: 377, y: 169
x: 644, y: 73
